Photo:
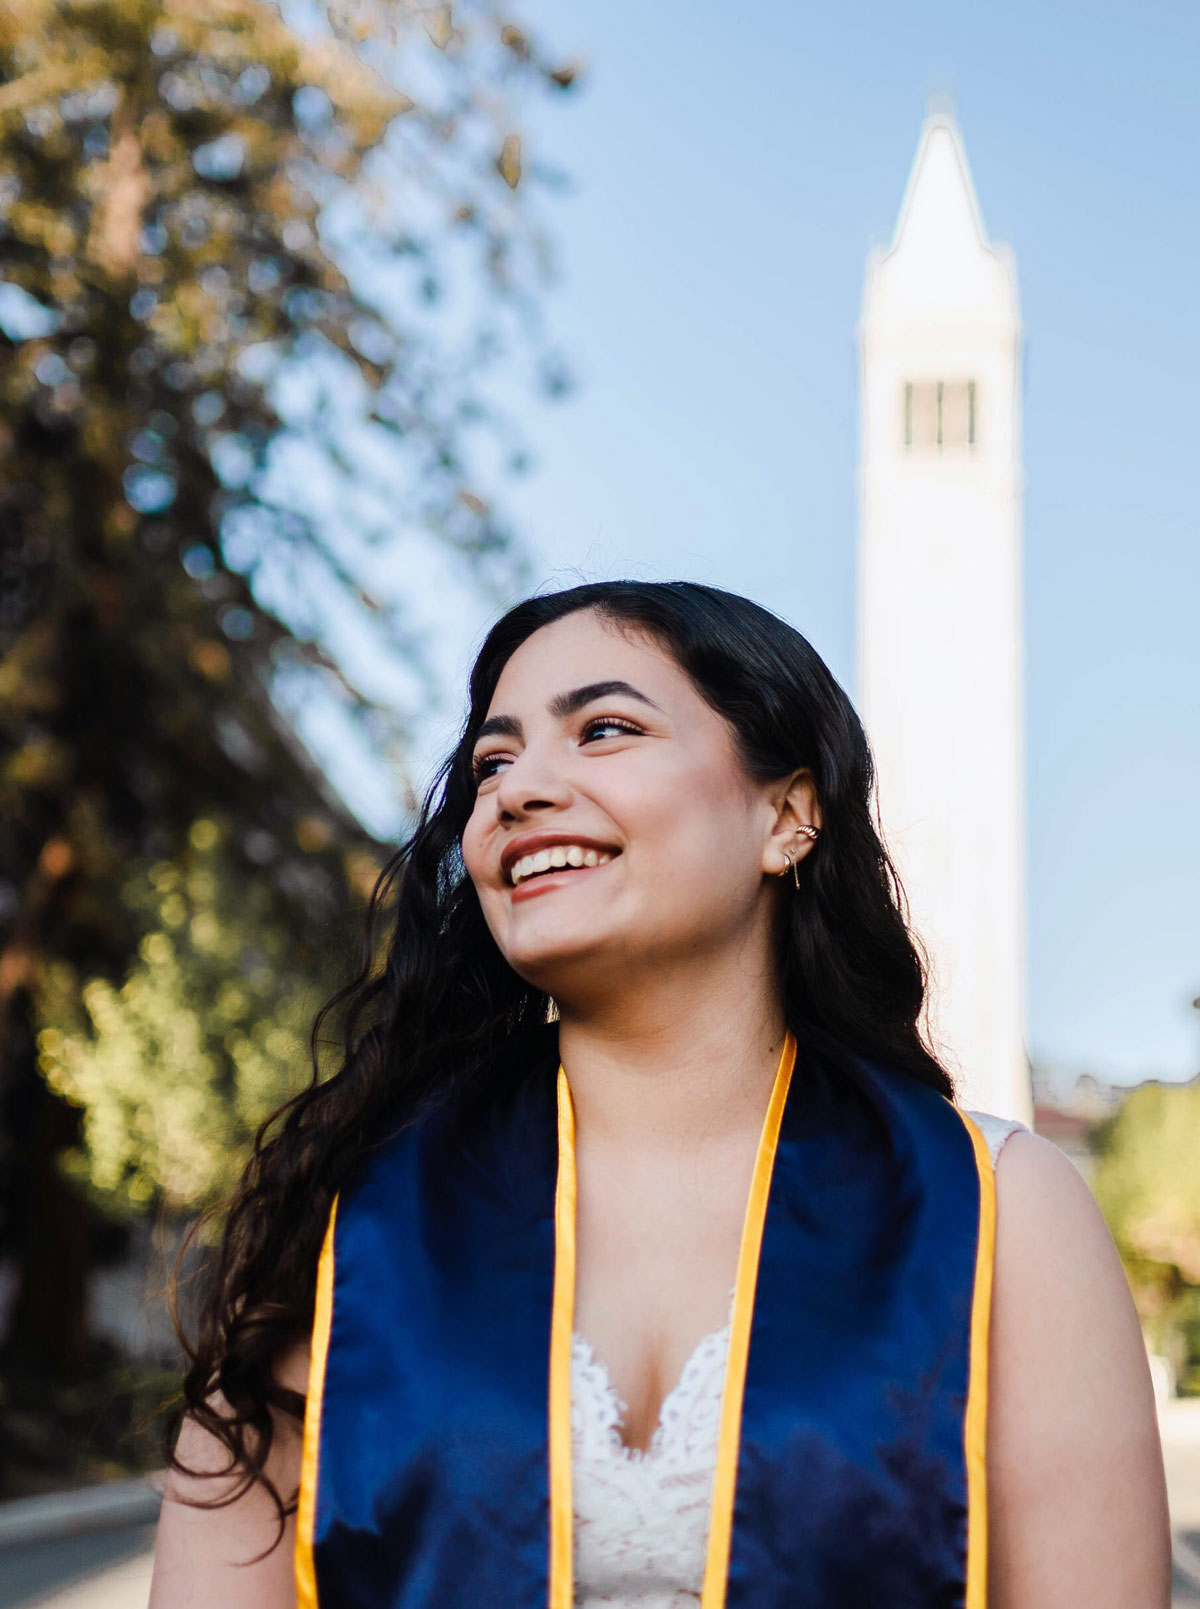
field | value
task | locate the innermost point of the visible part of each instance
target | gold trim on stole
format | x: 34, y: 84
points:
x: 306, y: 1502
x: 720, y: 1531
x: 562, y: 1584
x: 975, y: 1419
x: 562, y: 1323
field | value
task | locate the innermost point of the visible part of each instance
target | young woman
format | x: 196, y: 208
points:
x: 638, y: 1254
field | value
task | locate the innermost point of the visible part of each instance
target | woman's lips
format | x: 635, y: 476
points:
x: 542, y: 852
x: 546, y: 881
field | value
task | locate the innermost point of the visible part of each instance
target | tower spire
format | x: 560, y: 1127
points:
x: 940, y: 642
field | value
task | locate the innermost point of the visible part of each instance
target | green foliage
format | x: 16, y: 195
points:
x: 1147, y: 1181
x: 207, y: 1034
x: 255, y: 261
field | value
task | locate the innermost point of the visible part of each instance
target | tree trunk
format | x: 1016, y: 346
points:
x: 47, y: 1219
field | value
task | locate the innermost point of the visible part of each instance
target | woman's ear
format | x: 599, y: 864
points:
x: 796, y: 822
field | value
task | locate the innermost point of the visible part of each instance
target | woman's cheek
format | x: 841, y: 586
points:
x: 472, y: 855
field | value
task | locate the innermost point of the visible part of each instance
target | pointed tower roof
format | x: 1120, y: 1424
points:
x: 940, y: 206
x: 940, y: 260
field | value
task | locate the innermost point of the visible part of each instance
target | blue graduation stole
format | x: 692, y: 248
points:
x: 436, y: 1470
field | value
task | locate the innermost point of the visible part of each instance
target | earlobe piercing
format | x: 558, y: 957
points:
x: 811, y: 834
x: 793, y: 866
x: 789, y: 865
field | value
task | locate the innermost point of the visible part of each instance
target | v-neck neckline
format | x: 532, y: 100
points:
x: 618, y: 1408
x: 720, y: 1536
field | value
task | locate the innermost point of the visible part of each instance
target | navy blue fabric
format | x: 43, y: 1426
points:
x: 851, y: 1487
x: 432, y: 1487
x: 851, y: 1491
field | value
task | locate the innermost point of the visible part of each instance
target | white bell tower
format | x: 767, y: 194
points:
x: 939, y: 587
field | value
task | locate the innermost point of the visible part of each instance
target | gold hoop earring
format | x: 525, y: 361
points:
x: 789, y: 865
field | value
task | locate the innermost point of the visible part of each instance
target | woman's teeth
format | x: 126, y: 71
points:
x: 551, y: 859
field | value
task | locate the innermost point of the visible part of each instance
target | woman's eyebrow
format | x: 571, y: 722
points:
x: 563, y: 705
x: 501, y: 726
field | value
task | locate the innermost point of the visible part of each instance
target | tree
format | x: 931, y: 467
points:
x: 226, y: 234
x: 176, y: 1068
x: 1147, y: 1181
x: 1147, y: 1178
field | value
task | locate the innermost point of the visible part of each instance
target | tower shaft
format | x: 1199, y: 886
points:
x: 940, y: 630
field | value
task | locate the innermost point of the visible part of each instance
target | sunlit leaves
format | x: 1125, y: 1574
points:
x: 206, y: 1034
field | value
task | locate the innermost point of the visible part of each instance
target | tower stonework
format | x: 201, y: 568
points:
x: 939, y: 589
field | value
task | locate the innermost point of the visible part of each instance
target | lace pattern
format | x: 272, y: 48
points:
x: 641, y: 1517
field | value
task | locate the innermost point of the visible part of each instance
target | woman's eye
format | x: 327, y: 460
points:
x: 606, y: 725
x: 485, y: 766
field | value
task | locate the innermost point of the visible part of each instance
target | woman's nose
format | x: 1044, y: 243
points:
x: 530, y: 784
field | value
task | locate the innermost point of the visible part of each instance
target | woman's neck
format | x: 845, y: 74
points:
x: 673, y: 1067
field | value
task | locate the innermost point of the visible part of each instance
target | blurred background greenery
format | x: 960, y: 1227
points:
x: 1147, y: 1181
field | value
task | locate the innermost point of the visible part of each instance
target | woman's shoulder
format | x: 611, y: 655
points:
x: 1050, y: 1233
x: 1037, y: 1187
x: 996, y: 1131
x: 1037, y: 1184
x: 1071, y: 1424
x: 1059, y: 1288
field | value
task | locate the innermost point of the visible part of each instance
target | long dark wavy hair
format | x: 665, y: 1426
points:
x: 429, y: 1021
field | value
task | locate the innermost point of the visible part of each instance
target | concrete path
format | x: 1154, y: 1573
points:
x: 99, y: 1570
x: 1180, y: 1425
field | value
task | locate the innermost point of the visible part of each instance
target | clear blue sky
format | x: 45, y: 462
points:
x: 731, y: 167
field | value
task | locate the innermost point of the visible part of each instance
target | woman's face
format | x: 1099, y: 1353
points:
x: 614, y: 829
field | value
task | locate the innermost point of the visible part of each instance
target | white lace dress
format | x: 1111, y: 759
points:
x: 641, y: 1518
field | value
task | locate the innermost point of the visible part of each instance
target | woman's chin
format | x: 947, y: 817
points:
x: 564, y: 964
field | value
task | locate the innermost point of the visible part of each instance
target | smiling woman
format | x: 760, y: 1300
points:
x: 639, y: 1254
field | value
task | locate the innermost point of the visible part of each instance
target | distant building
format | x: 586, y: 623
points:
x: 1069, y: 1108
x: 939, y: 588
x: 1071, y: 1131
